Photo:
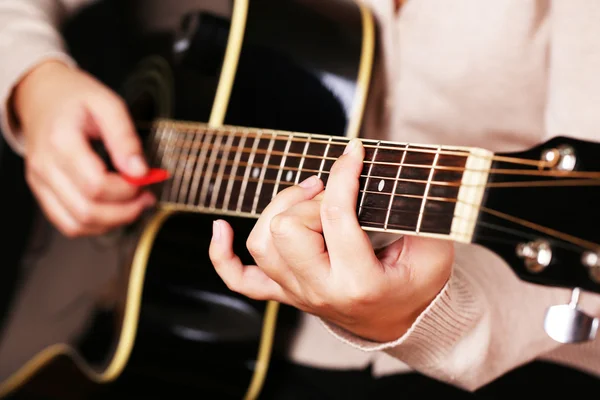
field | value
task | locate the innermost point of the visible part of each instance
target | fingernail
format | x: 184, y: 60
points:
x: 350, y: 146
x: 309, y: 182
x: 136, y: 166
x: 216, y: 230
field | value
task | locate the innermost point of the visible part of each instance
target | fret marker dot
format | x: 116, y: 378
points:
x: 289, y: 176
x: 255, y: 172
x: 381, y: 185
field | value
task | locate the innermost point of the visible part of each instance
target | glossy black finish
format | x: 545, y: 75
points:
x: 574, y: 210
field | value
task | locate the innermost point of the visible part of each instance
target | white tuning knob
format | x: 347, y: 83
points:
x: 567, y: 323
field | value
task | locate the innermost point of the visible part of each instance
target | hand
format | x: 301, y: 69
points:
x: 59, y: 110
x: 311, y: 253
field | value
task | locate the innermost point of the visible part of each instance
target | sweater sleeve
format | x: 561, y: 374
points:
x: 483, y: 323
x: 29, y: 35
x: 486, y: 321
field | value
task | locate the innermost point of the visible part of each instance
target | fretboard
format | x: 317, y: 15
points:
x: 404, y: 188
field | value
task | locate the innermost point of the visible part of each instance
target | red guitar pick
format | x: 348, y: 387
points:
x: 155, y: 175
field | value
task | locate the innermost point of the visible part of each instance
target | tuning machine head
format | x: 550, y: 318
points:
x: 567, y: 323
x: 537, y: 255
x: 591, y: 260
x: 561, y: 158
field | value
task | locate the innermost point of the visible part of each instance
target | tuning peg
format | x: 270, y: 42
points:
x: 567, y: 323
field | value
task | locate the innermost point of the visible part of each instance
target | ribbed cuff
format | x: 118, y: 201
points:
x: 23, y: 59
x: 454, y: 311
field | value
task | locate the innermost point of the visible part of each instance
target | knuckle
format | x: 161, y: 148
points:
x: 331, y: 212
x: 230, y: 284
x: 116, y: 104
x: 85, y: 213
x: 282, y: 225
x: 30, y: 173
x: 71, y: 231
x: 358, y: 295
x: 316, y: 301
x: 57, y: 140
x: 29, y: 178
x: 256, y: 245
x: 94, y: 188
x: 34, y: 165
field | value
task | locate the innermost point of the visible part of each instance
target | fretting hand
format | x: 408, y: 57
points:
x: 311, y: 253
x: 59, y: 110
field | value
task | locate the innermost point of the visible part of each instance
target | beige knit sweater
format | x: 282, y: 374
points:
x: 502, y: 74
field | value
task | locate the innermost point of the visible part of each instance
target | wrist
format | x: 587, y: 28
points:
x: 394, y: 319
x: 21, y: 99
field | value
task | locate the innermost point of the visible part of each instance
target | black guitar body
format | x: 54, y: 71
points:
x: 193, y: 332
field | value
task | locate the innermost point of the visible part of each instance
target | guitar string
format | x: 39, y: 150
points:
x: 545, y: 173
x: 561, y: 235
x: 531, y: 225
x: 452, y: 183
x: 591, y: 177
x: 299, y: 137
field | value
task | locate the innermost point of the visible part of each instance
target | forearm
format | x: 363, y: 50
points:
x: 29, y: 35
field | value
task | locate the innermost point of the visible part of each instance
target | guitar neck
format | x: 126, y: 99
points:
x: 405, y: 188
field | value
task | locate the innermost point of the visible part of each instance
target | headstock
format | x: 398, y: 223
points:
x: 541, y: 213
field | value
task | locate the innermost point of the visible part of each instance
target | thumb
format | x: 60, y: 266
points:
x: 118, y: 134
x: 429, y: 259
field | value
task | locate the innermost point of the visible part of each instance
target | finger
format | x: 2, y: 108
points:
x: 297, y: 237
x: 346, y: 241
x: 89, y: 173
x: 56, y: 212
x: 259, y: 241
x: 248, y: 280
x: 95, y: 215
x: 118, y: 132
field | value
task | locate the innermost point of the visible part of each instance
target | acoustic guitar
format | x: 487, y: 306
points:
x: 240, y: 105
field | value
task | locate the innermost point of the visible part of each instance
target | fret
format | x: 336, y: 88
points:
x: 441, y: 203
x: 426, y: 191
x: 313, y: 159
x: 265, y: 167
x: 209, y: 175
x: 394, y: 187
x: 216, y: 200
x: 187, y: 162
x: 322, y: 165
x: 381, y: 184
x: 170, y: 159
x: 232, y: 183
x: 291, y: 164
x: 249, y: 165
x: 180, y: 158
x: 370, y: 155
x: 155, y: 147
x: 280, y: 170
x: 336, y: 149
x: 198, y: 171
x: 409, y: 188
x: 302, y: 159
